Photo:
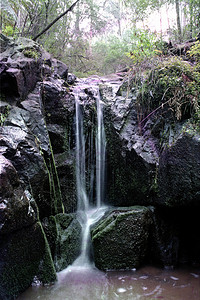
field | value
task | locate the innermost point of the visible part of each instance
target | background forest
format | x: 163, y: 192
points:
x: 102, y: 36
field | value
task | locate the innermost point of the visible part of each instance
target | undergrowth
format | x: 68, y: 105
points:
x: 171, y: 88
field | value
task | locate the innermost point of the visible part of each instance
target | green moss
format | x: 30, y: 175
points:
x: 31, y: 53
x: 109, y: 224
x: 24, y: 255
x: 4, y: 112
x: 172, y: 86
x: 68, y: 243
x: 47, y: 272
x: 120, y: 239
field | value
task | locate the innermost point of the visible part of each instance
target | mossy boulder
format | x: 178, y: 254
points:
x: 23, y: 255
x: 68, y: 243
x: 179, y: 170
x: 120, y: 240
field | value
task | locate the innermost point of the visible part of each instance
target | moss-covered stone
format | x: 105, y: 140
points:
x: 120, y: 240
x: 179, y: 171
x: 68, y: 242
x: 47, y: 272
x: 171, y: 88
x: 22, y: 254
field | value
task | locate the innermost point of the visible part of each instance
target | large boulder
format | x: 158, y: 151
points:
x: 20, y: 67
x: 24, y: 252
x: 179, y: 170
x: 132, y: 155
x: 120, y: 240
x: 17, y: 208
x: 63, y: 232
x: 24, y: 140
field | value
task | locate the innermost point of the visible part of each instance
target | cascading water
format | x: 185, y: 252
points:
x: 87, y: 213
x: 100, y: 153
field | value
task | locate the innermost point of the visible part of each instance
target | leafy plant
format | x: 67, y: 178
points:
x: 144, y: 45
x: 171, y: 88
x: 8, y: 30
x: 31, y: 53
x: 4, y: 115
x: 194, y: 52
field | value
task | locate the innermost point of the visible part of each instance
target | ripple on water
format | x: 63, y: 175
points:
x: 147, y: 283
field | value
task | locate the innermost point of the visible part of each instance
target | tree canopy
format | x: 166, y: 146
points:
x: 99, y: 36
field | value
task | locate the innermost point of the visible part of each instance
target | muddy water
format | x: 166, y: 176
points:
x: 146, y: 283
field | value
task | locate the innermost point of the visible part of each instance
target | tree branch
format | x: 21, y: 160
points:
x: 55, y: 20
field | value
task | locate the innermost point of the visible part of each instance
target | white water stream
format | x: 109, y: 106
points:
x: 89, y: 214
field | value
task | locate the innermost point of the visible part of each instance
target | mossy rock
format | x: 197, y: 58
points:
x: 23, y: 255
x: 120, y: 240
x: 172, y: 89
x: 68, y: 242
x: 179, y: 170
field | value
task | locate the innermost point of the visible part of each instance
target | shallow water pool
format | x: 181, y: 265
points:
x: 145, y: 283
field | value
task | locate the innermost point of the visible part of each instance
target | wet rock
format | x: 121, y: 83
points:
x: 71, y: 78
x: 60, y: 68
x: 23, y: 255
x: 17, y: 208
x: 66, y: 172
x: 179, y: 170
x: 120, y: 240
x: 57, y: 102
x: 17, y: 81
x: 132, y: 155
x: 63, y: 232
x: 9, y: 178
x: 68, y: 242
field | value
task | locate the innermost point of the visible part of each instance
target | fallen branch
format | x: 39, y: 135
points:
x: 55, y: 20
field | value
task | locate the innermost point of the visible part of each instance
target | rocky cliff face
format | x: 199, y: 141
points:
x: 35, y: 159
x: 155, y: 166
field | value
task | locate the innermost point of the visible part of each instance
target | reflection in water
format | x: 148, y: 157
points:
x: 150, y: 283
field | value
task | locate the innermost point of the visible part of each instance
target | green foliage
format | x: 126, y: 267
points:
x: 3, y: 115
x: 141, y: 8
x: 8, y: 30
x: 194, y: 52
x: 31, y: 53
x: 171, y: 87
x: 110, y: 52
x: 146, y: 45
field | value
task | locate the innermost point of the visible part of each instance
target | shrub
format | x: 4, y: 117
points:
x: 171, y: 87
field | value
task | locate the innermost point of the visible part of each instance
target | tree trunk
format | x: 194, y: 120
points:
x: 191, y: 18
x: 178, y: 19
x: 55, y: 20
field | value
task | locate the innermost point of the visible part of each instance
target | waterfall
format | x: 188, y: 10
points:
x: 82, y: 199
x: 87, y: 213
x: 100, y: 153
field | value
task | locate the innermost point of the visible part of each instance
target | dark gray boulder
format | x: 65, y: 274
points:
x: 17, y: 208
x: 24, y: 252
x: 68, y: 243
x: 179, y: 170
x: 132, y: 155
x: 120, y: 240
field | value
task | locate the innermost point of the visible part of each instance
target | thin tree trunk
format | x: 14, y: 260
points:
x: 178, y: 19
x: 55, y: 20
x: 191, y: 18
